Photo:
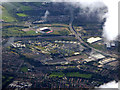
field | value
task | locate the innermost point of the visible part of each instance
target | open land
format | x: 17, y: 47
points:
x: 60, y: 57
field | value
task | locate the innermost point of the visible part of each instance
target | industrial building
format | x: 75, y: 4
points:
x: 104, y: 61
x: 97, y: 56
x: 92, y: 39
x: 94, y: 57
x: 110, y: 44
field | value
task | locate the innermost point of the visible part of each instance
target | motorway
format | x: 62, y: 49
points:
x: 78, y: 36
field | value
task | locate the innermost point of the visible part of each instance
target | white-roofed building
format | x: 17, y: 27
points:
x: 93, y: 39
x: 97, y: 56
x: 104, y: 61
x: 44, y: 28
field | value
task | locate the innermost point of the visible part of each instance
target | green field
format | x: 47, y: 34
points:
x: 6, y: 79
x: 70, y: 74
x: 8, y: 13
x: 24, y: 69
x: 57, y: 74
x: 25, y: 8
x: 12, y: 31
x: 64, y: 31
x: 100, y: 47
x: 7, y: 17
x: 31, y: 33
x: 3, y: 77
x: 22, y: 15
x: 77, y: 74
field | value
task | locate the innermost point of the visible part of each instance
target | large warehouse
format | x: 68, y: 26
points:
x: 93, y: 39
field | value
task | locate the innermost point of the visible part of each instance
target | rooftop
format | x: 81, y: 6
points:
x: 92, y: 39
x: 97, y: 56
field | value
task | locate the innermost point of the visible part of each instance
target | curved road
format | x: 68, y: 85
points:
x: 78, y: 36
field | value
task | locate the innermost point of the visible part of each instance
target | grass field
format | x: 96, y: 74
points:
x: 60, y: 31
x: 100, y: 47
x: 57, y: 74
x: 25, y: 8
x: 31, y: 33
x: 6, y: 79
x: 22, y: 15
x: 7, y: 17
x: 24, y: 69
x: 70, y: 74
x: 12, y: 31
x: 8, y: 11
x: 77, y: 74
